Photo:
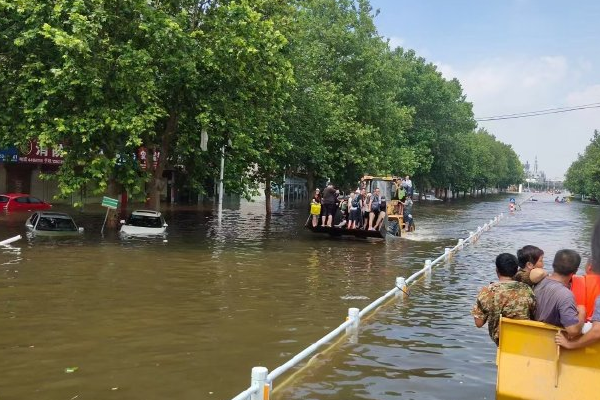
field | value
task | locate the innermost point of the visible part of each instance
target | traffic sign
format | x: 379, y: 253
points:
x: 110, y: 203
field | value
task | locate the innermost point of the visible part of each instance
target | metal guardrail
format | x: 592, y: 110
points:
x: 10, y: 240
x: 262, y: 381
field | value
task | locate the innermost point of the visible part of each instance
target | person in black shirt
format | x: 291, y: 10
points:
x: 329, y: 206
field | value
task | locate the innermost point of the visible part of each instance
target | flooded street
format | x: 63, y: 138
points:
x: 187, y: 317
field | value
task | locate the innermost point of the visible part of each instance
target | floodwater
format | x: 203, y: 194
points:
x: 187, y: 317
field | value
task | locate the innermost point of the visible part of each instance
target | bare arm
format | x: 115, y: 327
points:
x: 536, y: 275
x: 581, y: 314
x: 574, y: 330
x: 592, y: 336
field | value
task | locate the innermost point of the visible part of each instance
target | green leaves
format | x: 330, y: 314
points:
x: 306, y: 88
x: 583, y: 176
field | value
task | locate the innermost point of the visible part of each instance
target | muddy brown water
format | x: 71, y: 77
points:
x: 96, y: 317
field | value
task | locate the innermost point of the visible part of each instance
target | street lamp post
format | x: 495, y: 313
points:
x: 221, y: 182
x: 221, y: 177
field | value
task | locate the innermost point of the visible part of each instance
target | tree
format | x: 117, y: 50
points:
x: 106, y: 77
x: 583, y: 176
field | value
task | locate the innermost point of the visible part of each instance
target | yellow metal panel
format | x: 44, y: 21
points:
x: 531, y: 366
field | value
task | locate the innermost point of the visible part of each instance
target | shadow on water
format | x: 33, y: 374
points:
x: 188, y: 315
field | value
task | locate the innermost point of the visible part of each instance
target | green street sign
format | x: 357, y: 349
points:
x: 110, y: 203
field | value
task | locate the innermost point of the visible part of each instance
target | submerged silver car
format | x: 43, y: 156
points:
x: 52, y: 223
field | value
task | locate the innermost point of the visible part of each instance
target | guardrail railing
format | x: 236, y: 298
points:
x: 261, y: 380
x: 10, y: 240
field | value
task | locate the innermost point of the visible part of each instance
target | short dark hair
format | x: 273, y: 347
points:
x: 507, y: 264
x: 566, y: 262
x: 530, y: 254
x: 596, y: 248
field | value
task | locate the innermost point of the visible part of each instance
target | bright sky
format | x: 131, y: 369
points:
x: 512, y: 56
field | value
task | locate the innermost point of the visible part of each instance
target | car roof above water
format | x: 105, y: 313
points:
x: 53, y: 214
x: 146, y: 213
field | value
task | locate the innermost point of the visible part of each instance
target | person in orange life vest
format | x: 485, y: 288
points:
x: 586, y: 288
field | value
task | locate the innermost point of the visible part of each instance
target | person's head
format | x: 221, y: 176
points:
x: 377, y: 191
x: 595, y: 261
x: 566, y: 262
x: 317, y: 191
x: 330, y: 185
x: 506, y: 265
x: 363, y: 191
x: 352, y: 195
x: 530, y: 257
x: 407, y: 177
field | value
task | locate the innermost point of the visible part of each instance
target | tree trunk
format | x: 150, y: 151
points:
x: 268, y: 195
x: 112, y: 219
x: 157, y: 182
x: 123, y: 205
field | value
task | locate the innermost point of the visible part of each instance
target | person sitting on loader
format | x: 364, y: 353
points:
x: 374, y: 208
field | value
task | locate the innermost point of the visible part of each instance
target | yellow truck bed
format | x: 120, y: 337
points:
x: 531, y: 366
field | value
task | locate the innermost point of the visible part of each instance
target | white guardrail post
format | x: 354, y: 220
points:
x: 259, y: 378
x: 352, y: 329
x: 427, y: 270
x: 401, y: 285
x: 447, y: 253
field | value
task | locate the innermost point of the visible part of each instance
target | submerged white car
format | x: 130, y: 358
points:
x: 144, y: 222
x: 430, y: 197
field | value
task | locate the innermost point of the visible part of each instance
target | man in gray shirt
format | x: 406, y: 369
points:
x: 555, y: 303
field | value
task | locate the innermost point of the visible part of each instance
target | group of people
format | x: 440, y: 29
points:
x: 524, y: 290
x: 360, y: 210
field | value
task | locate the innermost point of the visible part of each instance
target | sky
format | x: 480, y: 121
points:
x: 512, y: 56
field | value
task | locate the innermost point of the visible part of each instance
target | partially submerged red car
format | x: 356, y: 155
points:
x: 22, y: 202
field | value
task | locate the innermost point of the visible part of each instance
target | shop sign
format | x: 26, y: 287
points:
x: 143, y: 158
x: 33, y: 153
x: 9, y: 155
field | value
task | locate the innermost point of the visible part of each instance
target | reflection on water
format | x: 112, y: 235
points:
x: 188, y: 318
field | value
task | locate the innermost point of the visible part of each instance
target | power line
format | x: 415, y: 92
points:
x: 538, y: 113
x: 541, y: 111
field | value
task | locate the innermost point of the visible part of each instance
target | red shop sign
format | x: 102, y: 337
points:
x: 33, y: 153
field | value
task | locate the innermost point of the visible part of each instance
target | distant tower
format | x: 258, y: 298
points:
x: 527, y: 166
x: 535, y: 166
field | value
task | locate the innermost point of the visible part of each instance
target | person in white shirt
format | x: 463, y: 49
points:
x: 409, y: 186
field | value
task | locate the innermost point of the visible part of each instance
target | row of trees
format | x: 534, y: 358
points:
x: 290, y: 87
x: 583, y: 176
